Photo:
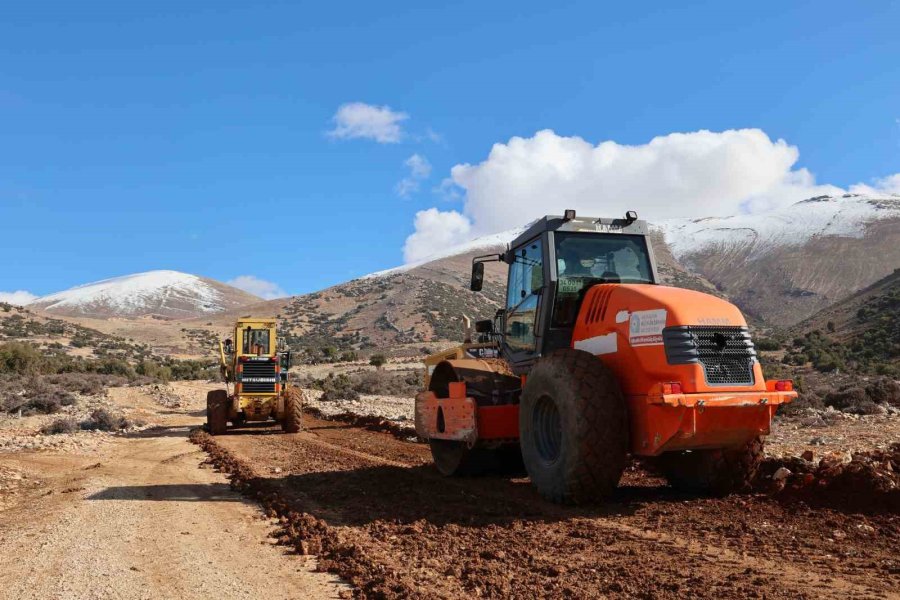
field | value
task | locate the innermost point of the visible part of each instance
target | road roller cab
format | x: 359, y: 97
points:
x: 595, y: 361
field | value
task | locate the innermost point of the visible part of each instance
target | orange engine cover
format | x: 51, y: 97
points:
x: 623, y: 326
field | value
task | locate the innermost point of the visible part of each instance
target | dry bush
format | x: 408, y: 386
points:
x: 32, y: 395
x: 804, y: 400
x: 105, y: 420
x: 61, y: 425
x: 884, y: 390
x: 89, y: 384
x: 388, y: 383
x: 854, y: 398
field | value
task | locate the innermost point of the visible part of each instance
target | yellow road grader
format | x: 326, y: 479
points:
x: 256, y: 381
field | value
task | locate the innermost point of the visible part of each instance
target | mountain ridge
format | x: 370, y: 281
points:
x: 163, y: 293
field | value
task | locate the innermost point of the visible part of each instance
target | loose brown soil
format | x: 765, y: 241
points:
x: 377, y: 513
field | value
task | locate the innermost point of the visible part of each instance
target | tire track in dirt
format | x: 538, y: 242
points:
x: 394, y: 528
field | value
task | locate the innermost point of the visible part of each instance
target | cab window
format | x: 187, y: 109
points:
x: 586, y: 259
x: 256, y: 341
x: 526, y: 278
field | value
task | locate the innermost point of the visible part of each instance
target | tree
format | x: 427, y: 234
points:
x: 377, y: 360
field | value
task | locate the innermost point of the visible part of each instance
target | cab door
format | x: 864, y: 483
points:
x: 524, y: 297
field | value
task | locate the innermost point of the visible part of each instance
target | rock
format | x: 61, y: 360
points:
x: 808, y: 456
x: 815, y: 421
x: 838, y: 534
x: 842, y: 457
x: 865, y: 528
x: 276, y: 469
x: 817, y: 441
x: 781, y: 474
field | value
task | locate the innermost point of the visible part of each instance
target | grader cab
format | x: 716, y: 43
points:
x: 595, y: 362
x: 256, y: 381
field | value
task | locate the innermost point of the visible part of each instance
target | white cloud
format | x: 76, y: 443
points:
x: 435, y: 229
x: 885, y: 185
x: 19, y: 297
x: 448, y: 190
x: 419, y: 167
x: 696, y: 174
x: 258, y: 287
x: 361, y: 120
x: 406, y: 187
x: 419, y: 170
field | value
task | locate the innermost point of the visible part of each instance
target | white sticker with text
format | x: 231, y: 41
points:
x: 646, y: 327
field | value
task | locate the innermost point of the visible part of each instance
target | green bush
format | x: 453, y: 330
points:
x: 339, y: 387
x: 19, y: 357
x: 767, y: 344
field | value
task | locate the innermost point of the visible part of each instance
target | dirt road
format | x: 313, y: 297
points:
x: 379, y: 515
x: 140, y: 518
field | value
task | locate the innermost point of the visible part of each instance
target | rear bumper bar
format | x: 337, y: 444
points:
x: 669, y: 422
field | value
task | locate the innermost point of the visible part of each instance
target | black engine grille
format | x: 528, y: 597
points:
x: 258, y: 378
x: 726, y: 353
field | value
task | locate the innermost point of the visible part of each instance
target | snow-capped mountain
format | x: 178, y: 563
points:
x: 785, y: 265
x: 486, y: 243
x: 846, y: 216
x: 780, y: 266
x: 162, y: 293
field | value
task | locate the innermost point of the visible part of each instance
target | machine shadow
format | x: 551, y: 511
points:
x: 186, y: 492
x: 162, y: 431
x: 361, y: 496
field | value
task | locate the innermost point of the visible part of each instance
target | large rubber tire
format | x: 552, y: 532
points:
x: 718, y: 472
x: 293, y: 410
x: 573, y: 427
x: 217, y: 412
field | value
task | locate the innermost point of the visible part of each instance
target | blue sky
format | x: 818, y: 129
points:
x: 195, y: 136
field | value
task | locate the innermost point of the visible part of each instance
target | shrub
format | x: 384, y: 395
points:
x: 39, y: 396
x: 767, y: 344
x: 377, y: 360
x: 804, y: 400
x: 89, y: 384
x: 149, y: 368
x: 49, y: 401
x: 339, y: 388
x: 846, y: 398
x: 386, y: 383
x: 105, y: 420
x: 19, y: 357
x: 884, y: 391
x: 114, y: 366
x: 61, y: 425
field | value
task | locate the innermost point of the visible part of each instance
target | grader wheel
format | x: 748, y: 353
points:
x: 217, y: 412
x: 293, y: 410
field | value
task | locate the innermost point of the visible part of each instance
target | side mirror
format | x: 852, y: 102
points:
x: 486, y: 326
x: 477, y: 277
x: 229, y: 346
x: 286, y: 360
